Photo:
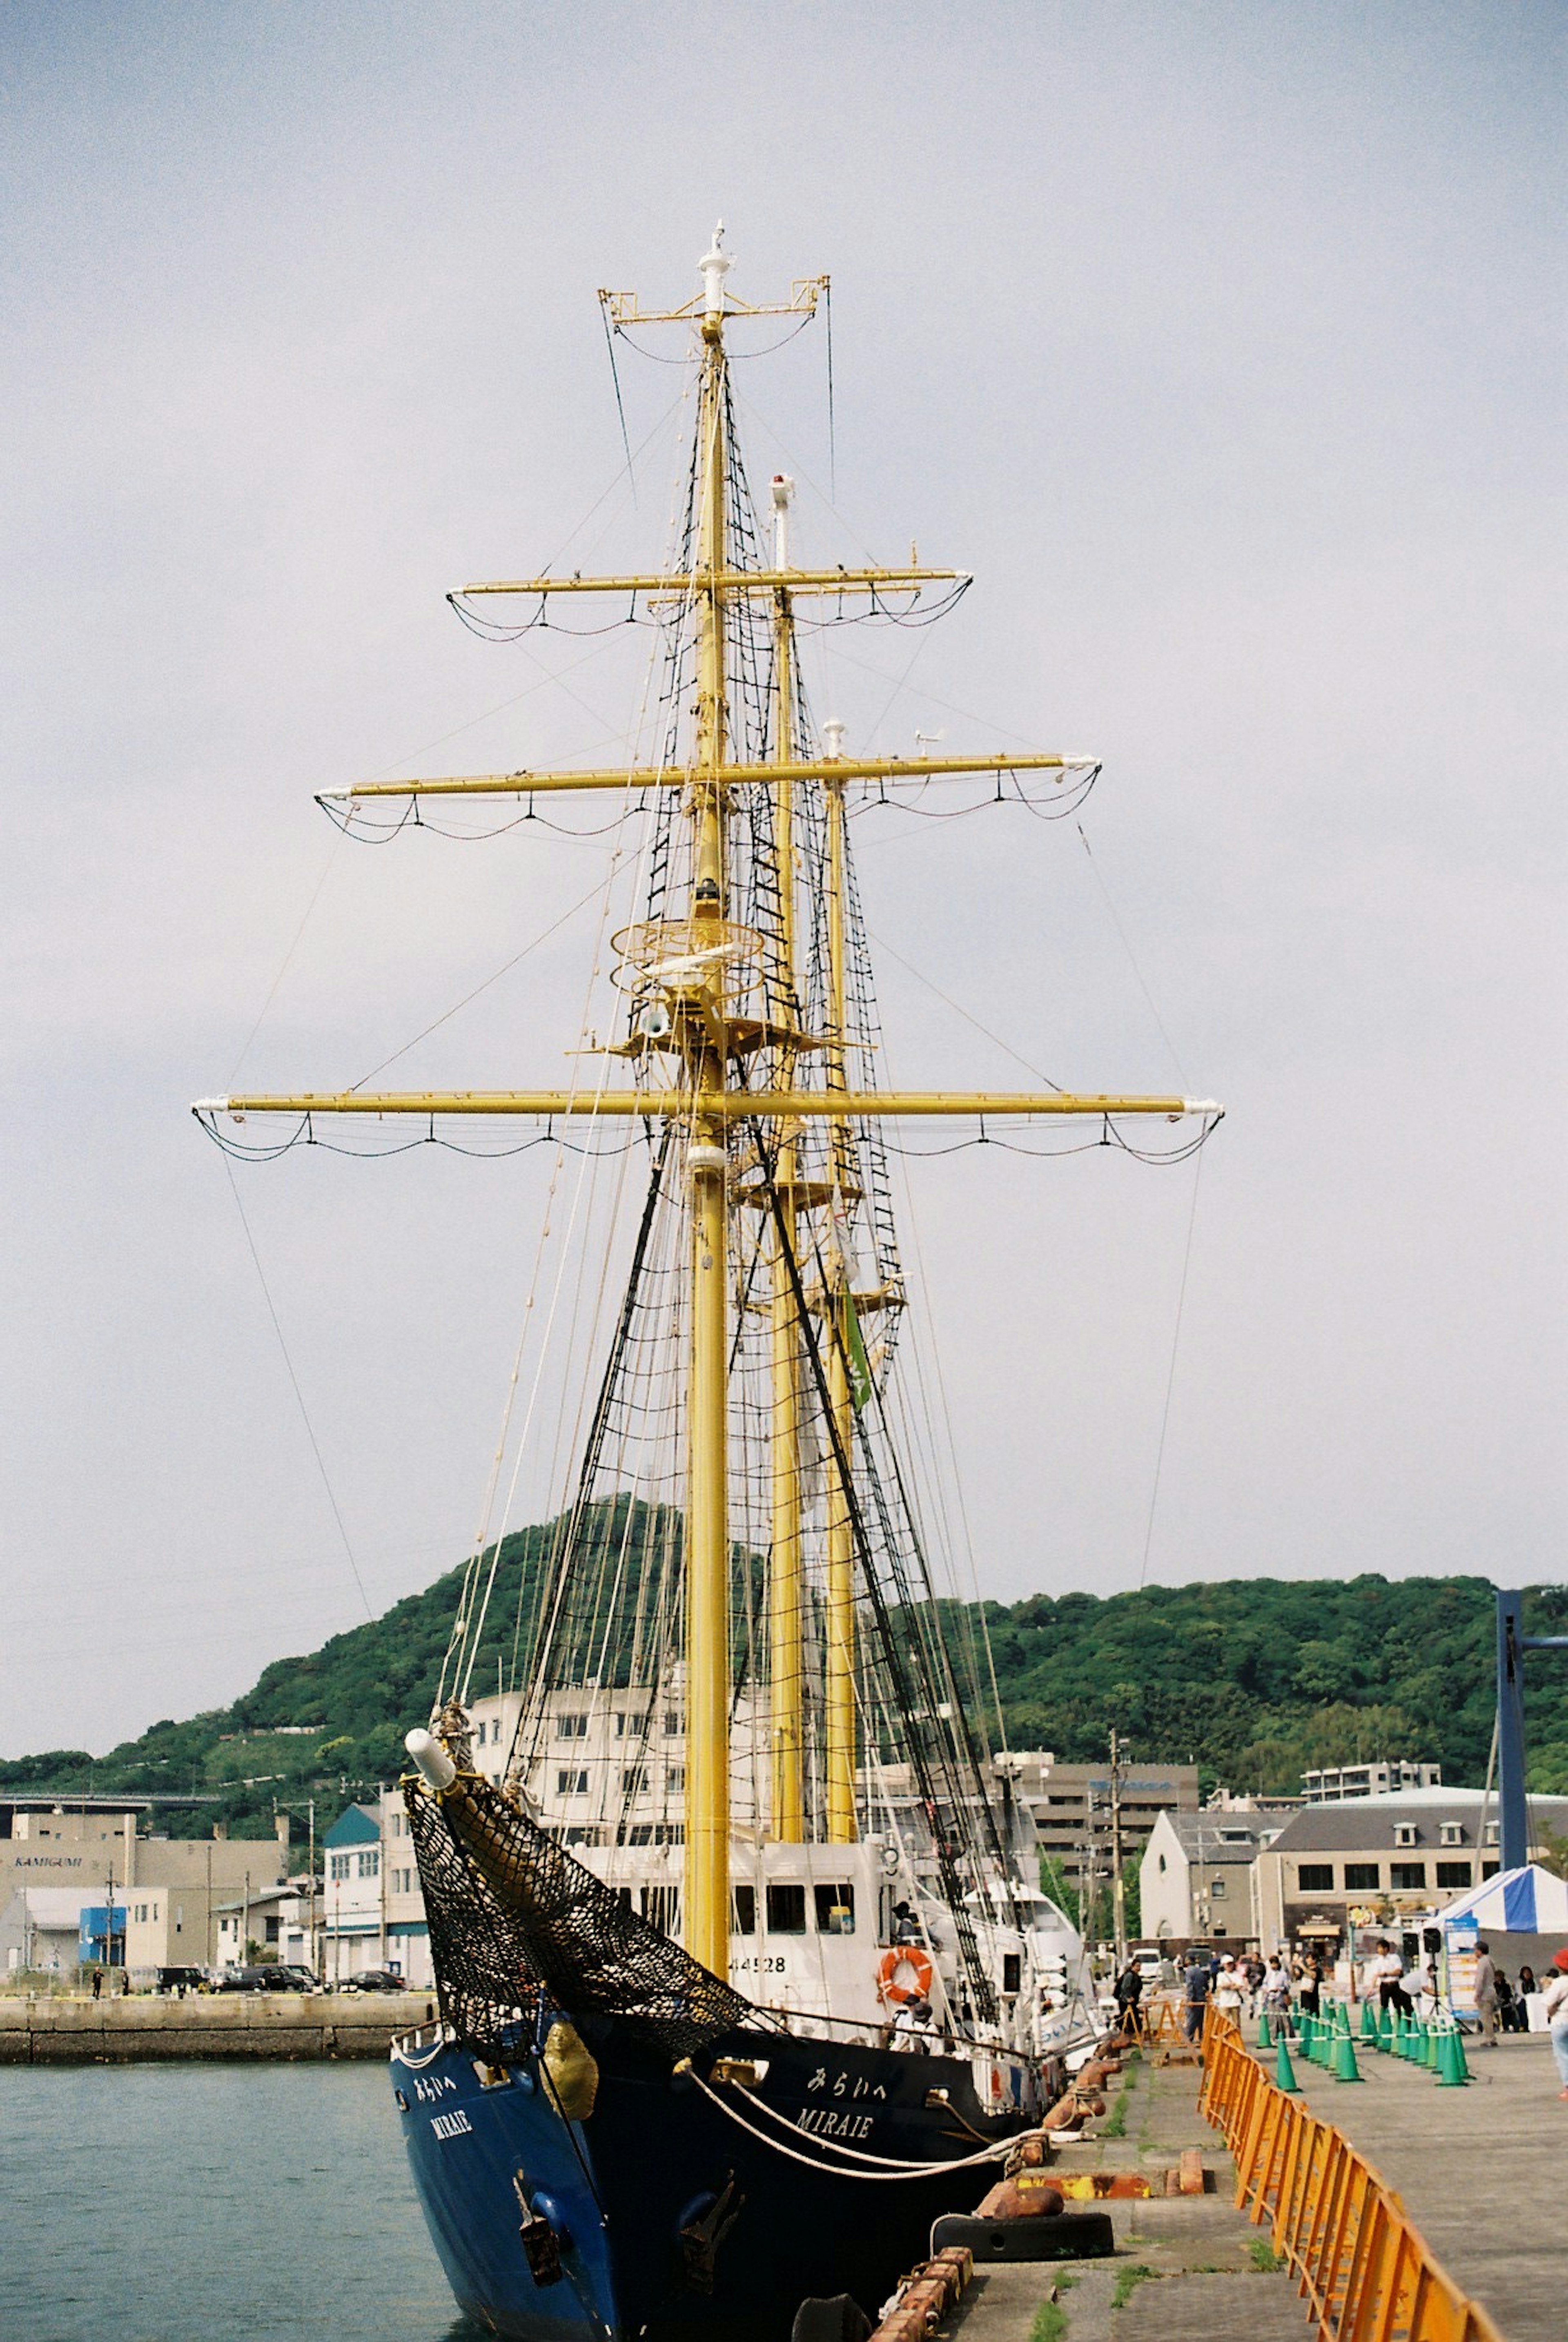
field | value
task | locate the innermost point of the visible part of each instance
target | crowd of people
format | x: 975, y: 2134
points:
x: 1283, y: 1986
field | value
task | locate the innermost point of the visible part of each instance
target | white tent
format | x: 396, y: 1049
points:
x: 1528, y: 1901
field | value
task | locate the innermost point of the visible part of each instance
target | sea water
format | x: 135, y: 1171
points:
x: 212, y: 2203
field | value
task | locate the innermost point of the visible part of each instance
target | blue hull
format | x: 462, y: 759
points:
x: 655, y: 2158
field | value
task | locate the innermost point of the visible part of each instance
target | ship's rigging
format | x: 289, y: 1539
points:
x: 741, y: 1534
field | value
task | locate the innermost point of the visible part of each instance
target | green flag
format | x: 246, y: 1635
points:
x: 855, y: 1350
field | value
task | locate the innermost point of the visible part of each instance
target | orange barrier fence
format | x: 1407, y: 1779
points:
x: 1366, y: 2274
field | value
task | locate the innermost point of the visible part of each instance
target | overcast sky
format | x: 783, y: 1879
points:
x: 1218, y: 342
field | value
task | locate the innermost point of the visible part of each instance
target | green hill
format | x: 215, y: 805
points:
x: 1257, y: 1679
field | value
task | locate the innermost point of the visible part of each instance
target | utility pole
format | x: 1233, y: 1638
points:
x: 1118, y: 1884
x: 310, y: 1901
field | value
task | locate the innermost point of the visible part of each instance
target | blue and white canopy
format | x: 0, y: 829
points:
x: 1528, y: 1901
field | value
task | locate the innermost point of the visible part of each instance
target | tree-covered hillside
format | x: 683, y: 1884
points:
x: 1257, y: 1679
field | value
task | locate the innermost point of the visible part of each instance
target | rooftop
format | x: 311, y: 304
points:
x: 1368, y: 1824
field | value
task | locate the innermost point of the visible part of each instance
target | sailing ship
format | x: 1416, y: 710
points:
x: 745, y: 1969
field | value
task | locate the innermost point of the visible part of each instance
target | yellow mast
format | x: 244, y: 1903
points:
x: 787, y: 1688
x: 839, y: 1565
x: 703, y: 1100
x: 705, y: 1925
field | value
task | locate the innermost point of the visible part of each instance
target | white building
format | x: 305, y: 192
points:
x: 372, y: 1911
x: 1333, y: 1785
x: 1198, y: 1877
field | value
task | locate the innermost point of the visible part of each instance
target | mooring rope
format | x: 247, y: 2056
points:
x: 838, y: 2171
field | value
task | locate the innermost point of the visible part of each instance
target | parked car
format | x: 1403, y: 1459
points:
x: 374, y: 1980
x: 183, y: 1980
x: 272, y: 1979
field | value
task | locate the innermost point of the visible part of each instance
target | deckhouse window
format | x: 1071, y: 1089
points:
x: 786, y: 1909
x: 835, y: 1910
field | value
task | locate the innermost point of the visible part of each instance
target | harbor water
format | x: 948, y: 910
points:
x: 212, y: 2203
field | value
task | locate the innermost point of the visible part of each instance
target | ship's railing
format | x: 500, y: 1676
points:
x: 1367, y: 2274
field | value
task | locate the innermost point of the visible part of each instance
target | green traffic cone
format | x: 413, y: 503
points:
x: 1308, y: 2027
x: 1266, y: 2038
x: 1342, y: 2017
x: 1429, y: 2047
x: 1452, y: 2068
x: 1385, y: 2029
x: 1369, y: 2025
x: 1285, y: 2072
x: 1345, y: 2068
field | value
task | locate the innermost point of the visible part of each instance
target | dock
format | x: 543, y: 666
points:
x: 1186, y: 2269
x: 1477, y: 2170
x: 55, y: 2029
x: 1473, y: 2167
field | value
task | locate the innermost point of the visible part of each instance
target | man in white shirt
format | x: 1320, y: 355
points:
x: 1389, y: 1969
x: 1557, y: 2017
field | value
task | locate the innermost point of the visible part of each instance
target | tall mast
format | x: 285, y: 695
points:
x: 706, y: 1923
x: 699, y: 1096
x: 839, y: 1605
x: 785, y: 1654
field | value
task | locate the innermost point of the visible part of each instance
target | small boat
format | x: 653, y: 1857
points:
x: 744, y: 1970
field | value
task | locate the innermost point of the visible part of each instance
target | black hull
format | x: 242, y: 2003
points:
x: 638, y: 2189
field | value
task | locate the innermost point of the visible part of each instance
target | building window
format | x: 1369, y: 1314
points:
x: 675, y: 1779
x: 1454, y: 1874
x: 338, y: 1868
x: 369, y: 1863
x: 1405, y: 1834
x: 571, y: 1785
x: 786, y: 1909
x: 634, y: 1781
x: 1315, y: 1878
x: 1406, y: 1875
x: 1362, y: 1876
x: 743, y: 1910
x: 835, y: 1910
x: 1216, y: 1887
x: 571, y: 1728
x: 1451, y: 1834
x: 630, y: 1726
x: 674, y: 1722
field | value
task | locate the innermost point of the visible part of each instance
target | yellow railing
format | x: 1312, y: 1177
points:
x: 1367, y: 2275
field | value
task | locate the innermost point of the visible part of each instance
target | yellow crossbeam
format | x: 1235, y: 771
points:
x: 731, y: 1106
x: 731, y: 581
x: 651, y: 777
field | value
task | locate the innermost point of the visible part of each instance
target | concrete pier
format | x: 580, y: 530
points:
x: 1478, y: 2169
x: 46, y: 2029
x: 1186, y: 2269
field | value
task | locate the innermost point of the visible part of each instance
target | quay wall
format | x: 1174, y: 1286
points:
x: 46, y: 2029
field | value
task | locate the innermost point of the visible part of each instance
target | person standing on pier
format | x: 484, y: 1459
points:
x: 1197, y: 1989
x: 1389, y: 1969
x: 1486, y: 1994
x: 1557, y: 2016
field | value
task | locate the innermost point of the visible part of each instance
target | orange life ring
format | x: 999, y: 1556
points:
x: 905, y: 1955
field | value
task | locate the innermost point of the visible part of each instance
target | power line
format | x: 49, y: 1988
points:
x: 299, y: 1395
